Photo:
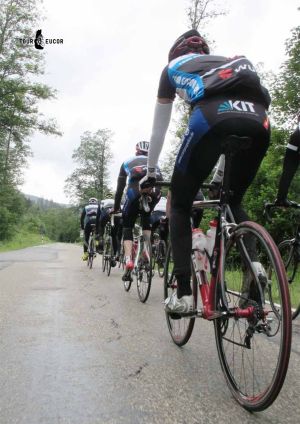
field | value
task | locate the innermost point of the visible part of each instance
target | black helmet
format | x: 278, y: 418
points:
x: 190, y: 41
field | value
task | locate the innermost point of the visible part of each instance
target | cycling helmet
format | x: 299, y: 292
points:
x: 142, y: 147
x: 93, y: 201
x: 190, y: 41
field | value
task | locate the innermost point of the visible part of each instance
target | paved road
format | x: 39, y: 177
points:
x: 75, y: 348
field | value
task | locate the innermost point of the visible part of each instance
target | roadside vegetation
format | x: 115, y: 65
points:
x: 23, y: 222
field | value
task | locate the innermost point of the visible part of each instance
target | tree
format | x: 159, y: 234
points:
x: 91, y: 177
x: 201, y: 12
x: 19, y: 94
x: 286, y: 95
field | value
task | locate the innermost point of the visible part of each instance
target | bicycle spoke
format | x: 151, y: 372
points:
x: 254, y: 351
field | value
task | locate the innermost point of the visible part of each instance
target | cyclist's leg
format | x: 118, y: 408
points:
x: 245, y: 165
x: 114, y: 234
x: 87, y: 231
x: 129, y: 214
x: 197, y: 156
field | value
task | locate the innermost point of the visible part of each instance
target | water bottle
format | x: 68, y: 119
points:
x: 199, y: 246
x: 211, y: 236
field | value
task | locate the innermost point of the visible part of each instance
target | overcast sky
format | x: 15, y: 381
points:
x: 107, y: 70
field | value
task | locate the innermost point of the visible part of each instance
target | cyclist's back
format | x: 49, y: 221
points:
x: 226, y: 98
x: 134, y: 169
x: 88, y: 221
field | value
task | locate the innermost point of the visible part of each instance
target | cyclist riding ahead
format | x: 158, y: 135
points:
x: 226, y: 98
x: 290, y: 166
x: 87, y: 221
x: 134, y: 168
x: 103, y: 216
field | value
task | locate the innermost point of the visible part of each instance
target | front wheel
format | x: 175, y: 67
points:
x: 253, y: 348
x: 161, y: 257
x: 144, y: 272
x: 180, y: 328
x: 290, y: 256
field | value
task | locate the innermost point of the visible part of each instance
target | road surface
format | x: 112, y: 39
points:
x: 76, y: 348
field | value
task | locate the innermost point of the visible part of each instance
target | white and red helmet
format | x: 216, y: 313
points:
x: 142, y: 147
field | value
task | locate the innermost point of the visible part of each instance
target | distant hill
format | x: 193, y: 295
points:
x: 44, y: 203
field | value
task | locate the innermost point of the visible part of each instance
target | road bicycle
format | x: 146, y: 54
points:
x: 91, y: 247
x: 108, y: 256
x: 159, y: 251
x: 249, y: 304
x: 290, y: 253
x: 142, y: 258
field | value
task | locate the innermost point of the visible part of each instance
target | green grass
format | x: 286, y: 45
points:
x: 21, y: 240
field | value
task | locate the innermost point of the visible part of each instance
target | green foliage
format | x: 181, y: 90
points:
x: 19, y: 98
x: 22, y: 239
x: 287, y: 85
x: 91, y: 177
x: 61, y: 224
x: 265, y: 185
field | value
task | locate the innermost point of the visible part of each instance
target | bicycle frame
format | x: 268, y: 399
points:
x: 208, y: 289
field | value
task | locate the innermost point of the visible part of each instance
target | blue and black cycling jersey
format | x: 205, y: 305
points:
x: 133, y: 169
x: 195, y: 77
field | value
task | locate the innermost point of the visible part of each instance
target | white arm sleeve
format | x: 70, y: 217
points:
x: 162, y: 117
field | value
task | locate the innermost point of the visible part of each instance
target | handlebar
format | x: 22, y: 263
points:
x: 168, y: 184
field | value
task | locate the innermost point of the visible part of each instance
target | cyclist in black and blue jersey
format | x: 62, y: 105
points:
x: 290, y: 165
x: 87, y: 220
x: 227, y: 98
x: 103, y: 216
x: 134, y: 169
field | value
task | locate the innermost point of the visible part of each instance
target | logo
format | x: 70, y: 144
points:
x: 225, y: 73
x: 244, y: 67
x: 236, y: 106
x: 39, y: 42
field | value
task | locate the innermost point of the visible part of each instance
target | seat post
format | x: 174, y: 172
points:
x: 225, y: 192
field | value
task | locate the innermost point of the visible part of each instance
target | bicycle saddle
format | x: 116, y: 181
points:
x: 234, y: 143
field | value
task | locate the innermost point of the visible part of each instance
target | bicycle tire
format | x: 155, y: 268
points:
x: 91, y: 253
x: 104, y: 261
x: 180, y: 329
x: 289, y: 255
x: 161, y: 258
x: 109, y: 259
x: 267, y: 334
x: 144, y: 273
x: 127, y: 285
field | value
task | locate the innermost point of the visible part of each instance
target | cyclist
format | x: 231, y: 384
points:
x: 87, y: 220
x: 134, y: 168
x: 159, y: 221
x: 226, y: 98
x: 103, y: 216
x: 290, y: 166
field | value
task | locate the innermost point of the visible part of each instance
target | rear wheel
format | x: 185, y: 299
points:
x: 144, y: 272
x: 180, y: 328
x: 290, y: 256
x: 254, y: 351
x: 91, y: 253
